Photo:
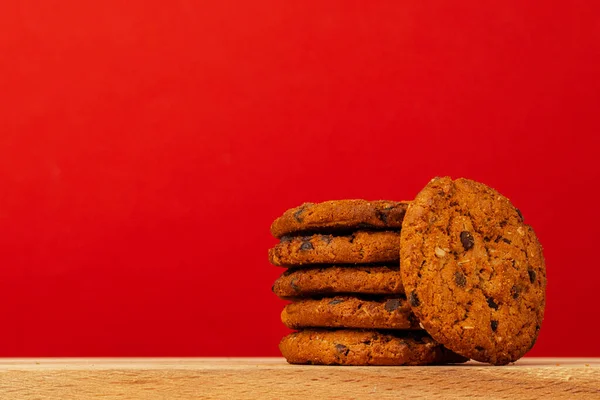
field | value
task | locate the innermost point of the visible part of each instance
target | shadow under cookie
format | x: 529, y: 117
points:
x: 364, y: 347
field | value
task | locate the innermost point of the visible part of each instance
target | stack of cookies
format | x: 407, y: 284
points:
x: 348, y: 302
x: 454, y: 275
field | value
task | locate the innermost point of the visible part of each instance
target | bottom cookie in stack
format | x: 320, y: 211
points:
x: 365, y: 347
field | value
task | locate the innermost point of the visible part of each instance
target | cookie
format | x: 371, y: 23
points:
x: 355, y: 347
x: 340, y: 215
x: 350, y: 312
x: 331, y: 280
x: 358, y: 248
x: 473, y: 271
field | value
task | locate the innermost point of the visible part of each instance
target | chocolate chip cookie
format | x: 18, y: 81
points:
x: 358, y: 248
x: 313, y: 281
x: 473, y: 271
x: 340, y: 215
x: 350, y: 312
x: 355, y: 347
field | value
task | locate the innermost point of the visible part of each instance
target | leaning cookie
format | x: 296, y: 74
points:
x: 340, y: 215
x: 361, y: 247
x: 356, y: 347
x: 473, y: 271
x: 350, y: 312
x: 311, y: 281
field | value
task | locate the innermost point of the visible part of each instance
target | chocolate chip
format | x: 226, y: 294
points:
x: 273, y: 288
x: 515, y: 291
x: 298, y: 214
x: 340, y: 348
x: 520, y: 215
x: 392, y: 304
x: 497, y: 239
x: 531, y: 275
x: 492, y: 303
x: 494, y: 325
x: 336, y: 301
x: 479, y: 348
x: 467, y: 240
x: 326, y: 238
x: 414, y: 299
x: 383, y: 215
x: 460, y: 279
x: 306, y: 246
x: 295, y: 287
x: 284, y: 239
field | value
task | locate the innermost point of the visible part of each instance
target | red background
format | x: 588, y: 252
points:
x: 146, y: 146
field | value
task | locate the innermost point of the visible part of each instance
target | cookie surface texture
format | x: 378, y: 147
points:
x: 473, y: 271
x: 355, y: 347
x: 358, y: 248
x: 331, y: 280
x: 340, y: 215
x: 350, y: 312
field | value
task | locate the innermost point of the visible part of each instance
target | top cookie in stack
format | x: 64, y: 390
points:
x: 343, y: 278
x: 340, y: 216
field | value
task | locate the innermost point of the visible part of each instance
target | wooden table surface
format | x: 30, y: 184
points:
x: 273, y: 378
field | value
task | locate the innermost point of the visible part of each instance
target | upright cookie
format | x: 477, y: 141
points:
x: 354, y: 347
x: 301, y: 282
x: 357, y: 248
x: 350, y: 312
x: 340, y: 215
x: 473, y: 271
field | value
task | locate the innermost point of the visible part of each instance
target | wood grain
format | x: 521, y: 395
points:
x: 272, y: 378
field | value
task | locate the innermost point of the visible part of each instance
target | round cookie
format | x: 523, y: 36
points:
x: 358, y: 248
x: 473, y: 271
x: 350, y: 312
x: 355, y: 347
x: 330, y: 280
x: 340, y: 215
